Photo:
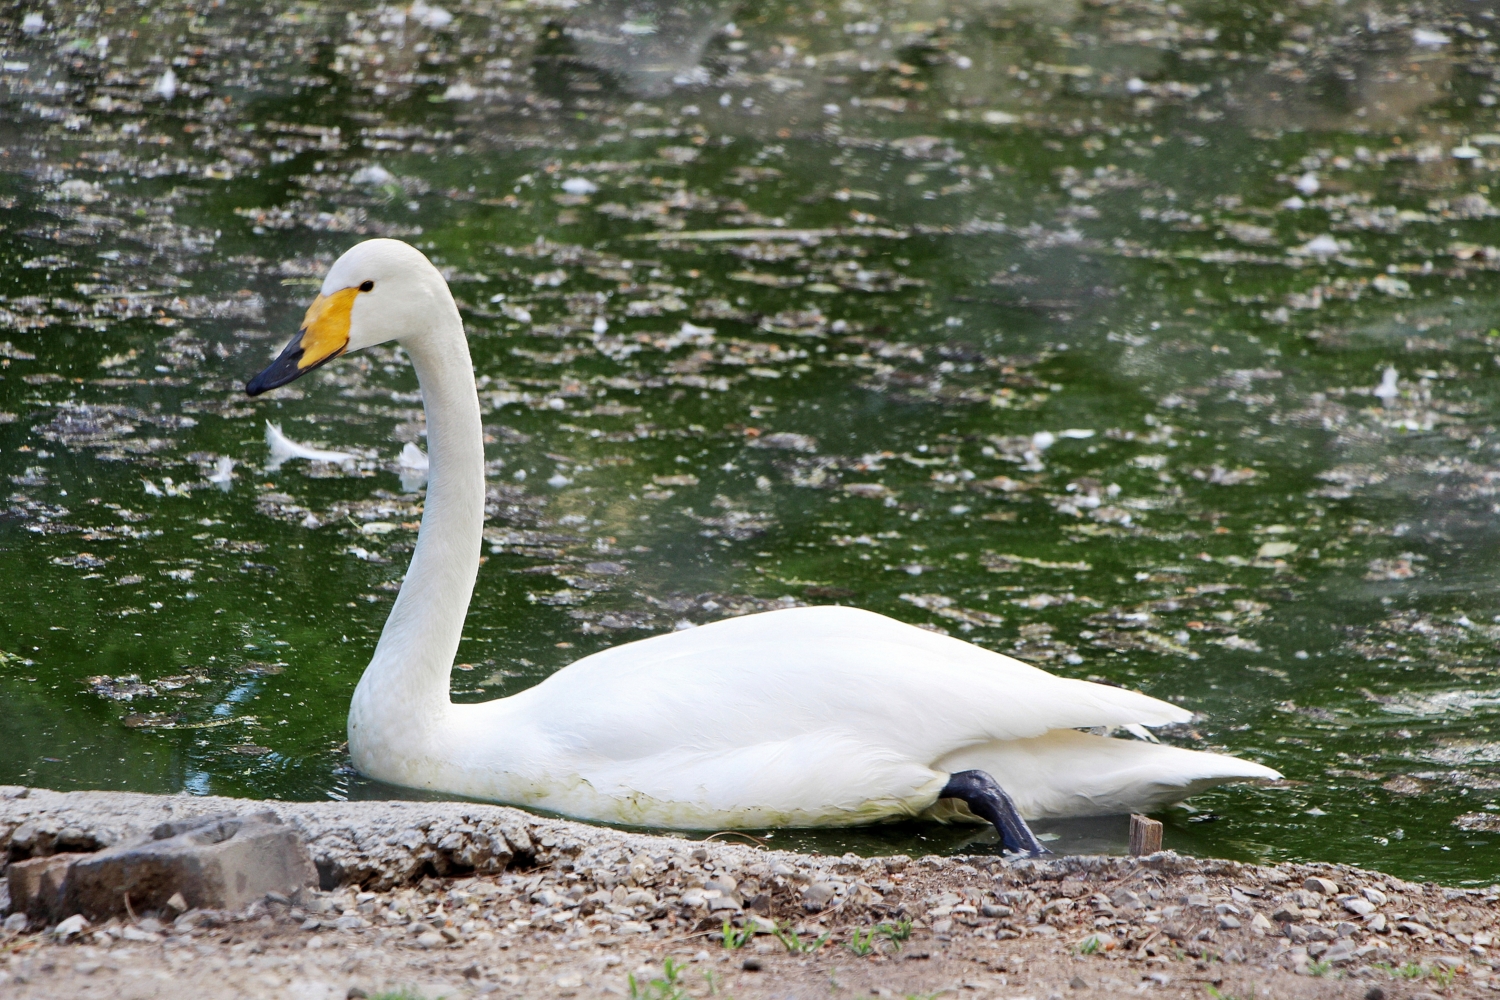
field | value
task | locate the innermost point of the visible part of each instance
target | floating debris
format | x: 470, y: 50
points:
x: 284, y: 449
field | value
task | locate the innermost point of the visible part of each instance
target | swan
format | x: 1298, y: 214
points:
x: 802, y: 717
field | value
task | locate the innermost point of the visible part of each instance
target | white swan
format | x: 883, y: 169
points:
x: 824, y: 716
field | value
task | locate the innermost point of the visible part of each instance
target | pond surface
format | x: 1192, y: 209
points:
x: 1152, y: 343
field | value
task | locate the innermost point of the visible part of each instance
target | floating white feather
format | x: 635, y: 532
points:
x: 284, y: 449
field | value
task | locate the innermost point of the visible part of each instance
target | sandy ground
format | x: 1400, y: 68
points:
x: 575, y: 911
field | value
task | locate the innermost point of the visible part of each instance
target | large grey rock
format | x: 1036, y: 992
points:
x: 374, y: 845
x: 215, y: 863
x: 36, y: 885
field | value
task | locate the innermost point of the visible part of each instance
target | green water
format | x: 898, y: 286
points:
x: 995, y: 318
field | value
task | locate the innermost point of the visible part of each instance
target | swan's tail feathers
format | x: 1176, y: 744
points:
x: 1068, y: 773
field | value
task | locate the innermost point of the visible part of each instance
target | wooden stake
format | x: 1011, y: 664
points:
x: 1145, y: 835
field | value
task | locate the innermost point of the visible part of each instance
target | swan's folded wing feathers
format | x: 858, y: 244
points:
x: 782, y: 674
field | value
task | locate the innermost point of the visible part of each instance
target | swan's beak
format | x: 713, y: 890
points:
x: 323, y: 337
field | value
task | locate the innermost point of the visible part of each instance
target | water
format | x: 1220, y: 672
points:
x: 1146, y: 342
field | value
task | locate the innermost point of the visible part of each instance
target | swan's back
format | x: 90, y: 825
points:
x: 782, y: 673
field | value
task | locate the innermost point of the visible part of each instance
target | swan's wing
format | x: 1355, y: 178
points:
x: 788, y: 696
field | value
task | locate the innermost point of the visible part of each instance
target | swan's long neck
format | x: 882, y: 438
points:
x: 400, y: 708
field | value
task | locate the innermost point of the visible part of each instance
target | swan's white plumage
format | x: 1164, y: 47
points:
x: 805, y: 716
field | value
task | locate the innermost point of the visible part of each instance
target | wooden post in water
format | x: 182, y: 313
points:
x: 1145, y: 835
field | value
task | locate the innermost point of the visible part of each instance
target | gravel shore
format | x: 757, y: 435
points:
x: 462, y: 900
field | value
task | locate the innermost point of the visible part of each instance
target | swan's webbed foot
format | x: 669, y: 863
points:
x: 987, y: 800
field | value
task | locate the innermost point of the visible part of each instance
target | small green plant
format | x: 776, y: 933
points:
x: 713, y: 980
x: 861, y: 944
x: 735, y: 938
x: 665, y: 988
x: 895, y: 933
x: 403, y: 993
x: 1442, y: 975
x: 1411, y: 970
x: 1319, y: 968
x: 795, y: 944
x: 1089, y: 945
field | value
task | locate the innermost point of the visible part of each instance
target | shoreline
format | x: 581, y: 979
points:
x: 462, y: 899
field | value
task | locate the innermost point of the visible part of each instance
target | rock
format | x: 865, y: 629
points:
x: 817, y: 896
x: 73, y: 925
x: 179, y: 905
x: 1260, y: 925
x: 1287, y: 913
x: 1359, y: 906
x: 1339, y: 953
x: 223, y: 863
x: 1229, y: 922
x: 1376, y: 922
x: 1078, y: 983
x: 760, y: 925
x: 751, y: 964
x: 36, y: 885
x: 1321, y: 886
x: 16, y: 923
x: 991, y: 910
x: 430, y: 939
x: 1374, y: 993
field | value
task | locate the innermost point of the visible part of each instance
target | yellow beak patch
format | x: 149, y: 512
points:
x: 325, y: 328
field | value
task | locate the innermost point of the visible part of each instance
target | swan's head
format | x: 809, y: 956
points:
x: 379, y: 290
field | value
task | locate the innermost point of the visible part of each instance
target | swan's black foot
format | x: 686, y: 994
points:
x: 988, y: 800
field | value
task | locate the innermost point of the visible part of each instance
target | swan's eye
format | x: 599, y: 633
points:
x: 367, y: 286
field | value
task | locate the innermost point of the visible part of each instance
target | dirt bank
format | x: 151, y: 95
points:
x: 458, y: 900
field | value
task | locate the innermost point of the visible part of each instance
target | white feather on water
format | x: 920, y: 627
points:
x: 223, y: 474
x: 284, y: 449
x: 166, y: 85
x: 1388, y: 391
x: 411, y: 465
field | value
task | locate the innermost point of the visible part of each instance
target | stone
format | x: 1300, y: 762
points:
x: 1374, y: 895
x: 1229, y: 922
x: 16, y: 923
x: 1359, y: 906
x: 1321, y: 886
x: 1340, y: 953
x: 73, y: 925
x: 1260, y: 925
x: 817, y: 896
x: 36, y: 886
x: 221, y: 863
x: 1078, y: 983
x: 1376, y: 922
x: 760, y: 925
x: 751, y: 964
x: 1287, y: 913
x: 430, y: 939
